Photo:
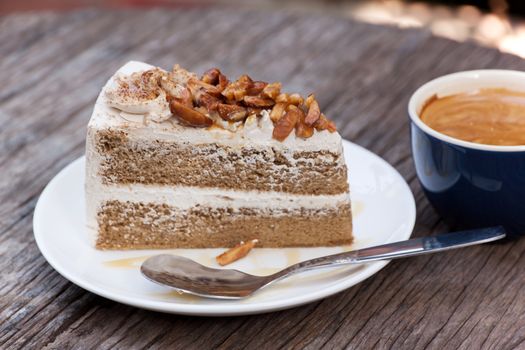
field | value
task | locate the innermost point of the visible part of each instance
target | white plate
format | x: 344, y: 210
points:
x: 383, y: 210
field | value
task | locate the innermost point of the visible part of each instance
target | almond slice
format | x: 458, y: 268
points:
x: 286, y: 124
x: 231, y: 112
x: 278, y: 111
x: 309, y: 100
x: 256, y: 88
x: 189, y: 115
x: 184, y: 97
x: 208, y: 101
x: 195, y: 85
x: 214, y: 77
x: 223, y: 82
x: 254, y: 111
x: 284, y: 98
x: 236, y: 253
x: 324, y: 123
x: 255, y: 101
x: 211, y: 76
x: 302, y: 129
x: 238, y: 89
x: 296, y: 99
x: 271, y: 90
x: 313, y: 113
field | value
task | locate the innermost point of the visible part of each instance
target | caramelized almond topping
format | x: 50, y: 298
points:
x: 238, y: 89
x: 284, y: 98
x: 185, y: 98
x: 256, y: 88
x: 200, y: 102
x: 254, y: 110
x: 231, y: 112
x: 286, y: 124
x: 278, y: 111
x: 239, y: 251
x: 309, y: 100
x: 211, y: 76
x: 195, y: 85
x: 302, y: 129
x: 254, y: 101
x: 189, y: 115
x: 313, y: 113
x: 295, y: 99
x: 324, y: 124
x: 271, y: 90
x: 207, y: 101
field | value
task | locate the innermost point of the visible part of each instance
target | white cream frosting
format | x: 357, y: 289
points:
x: 185, y: 197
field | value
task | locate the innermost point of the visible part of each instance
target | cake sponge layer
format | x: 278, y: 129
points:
x: 153, y: 162
x: 137, y: 225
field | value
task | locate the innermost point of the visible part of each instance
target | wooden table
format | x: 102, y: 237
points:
x: 52, y: 67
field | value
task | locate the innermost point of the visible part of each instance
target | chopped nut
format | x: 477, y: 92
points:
x: 195, y: 85
x: 296, y: 99
x: 278, y: 111
x: 302, y: 129
x: 309, y: 100
x: 271, y: 90
x: 255, y: 101
x: 236, y: 253
x: 284, y: 98
x: 189, y: 115
x: 186, y: 98
x: 201, y: 109
x: 313, y: 112
x: 256, y: 88
x: 238, y: 89
x: 245, y: 79
x: 324, y: 124
x: 214, y: 77
x: 211, y: 76
x: 254, y: 110
x: 223, y: 82
x: 231, y: 112
x: 208, y: 101
x: 202, y: 102
x: 183, y: 97
x: 286, y: 124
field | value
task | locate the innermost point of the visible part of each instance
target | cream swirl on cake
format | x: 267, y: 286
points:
x: 140, y: 93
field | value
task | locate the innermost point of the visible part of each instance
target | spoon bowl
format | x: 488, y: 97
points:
x: 189, y: 276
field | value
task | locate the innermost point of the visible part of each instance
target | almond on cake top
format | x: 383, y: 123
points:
x: 213, y: 100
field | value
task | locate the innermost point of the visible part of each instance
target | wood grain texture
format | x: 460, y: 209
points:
x: 53, y: 66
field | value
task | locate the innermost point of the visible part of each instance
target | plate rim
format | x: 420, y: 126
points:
x: 224, y: 309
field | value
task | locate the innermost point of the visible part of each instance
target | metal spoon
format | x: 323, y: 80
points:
x: 191, y: 277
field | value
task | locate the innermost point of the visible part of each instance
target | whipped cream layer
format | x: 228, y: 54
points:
x: 186, y: 198
x: 255, y: 131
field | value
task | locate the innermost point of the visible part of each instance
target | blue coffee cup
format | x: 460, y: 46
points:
x: 469, y: 184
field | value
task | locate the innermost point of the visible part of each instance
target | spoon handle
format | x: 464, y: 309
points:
x: 401, y: 249
x: 432, y: 244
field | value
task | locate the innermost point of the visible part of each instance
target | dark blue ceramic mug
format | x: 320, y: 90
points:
x: 469, y: 184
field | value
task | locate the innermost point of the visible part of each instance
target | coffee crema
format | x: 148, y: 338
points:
x: 487, y: 116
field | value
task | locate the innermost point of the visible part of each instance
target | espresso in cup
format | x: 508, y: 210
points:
x: 468, y: 144
x: 491, y: 116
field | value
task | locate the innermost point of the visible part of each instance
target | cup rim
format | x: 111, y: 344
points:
x: 417, y: 95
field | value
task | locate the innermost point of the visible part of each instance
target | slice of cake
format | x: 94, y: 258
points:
x: 180, y: 161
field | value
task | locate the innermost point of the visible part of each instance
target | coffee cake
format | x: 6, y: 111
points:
x: 178, y: 161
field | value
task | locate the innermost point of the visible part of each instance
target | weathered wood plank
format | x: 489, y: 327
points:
x: 363, y: 76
